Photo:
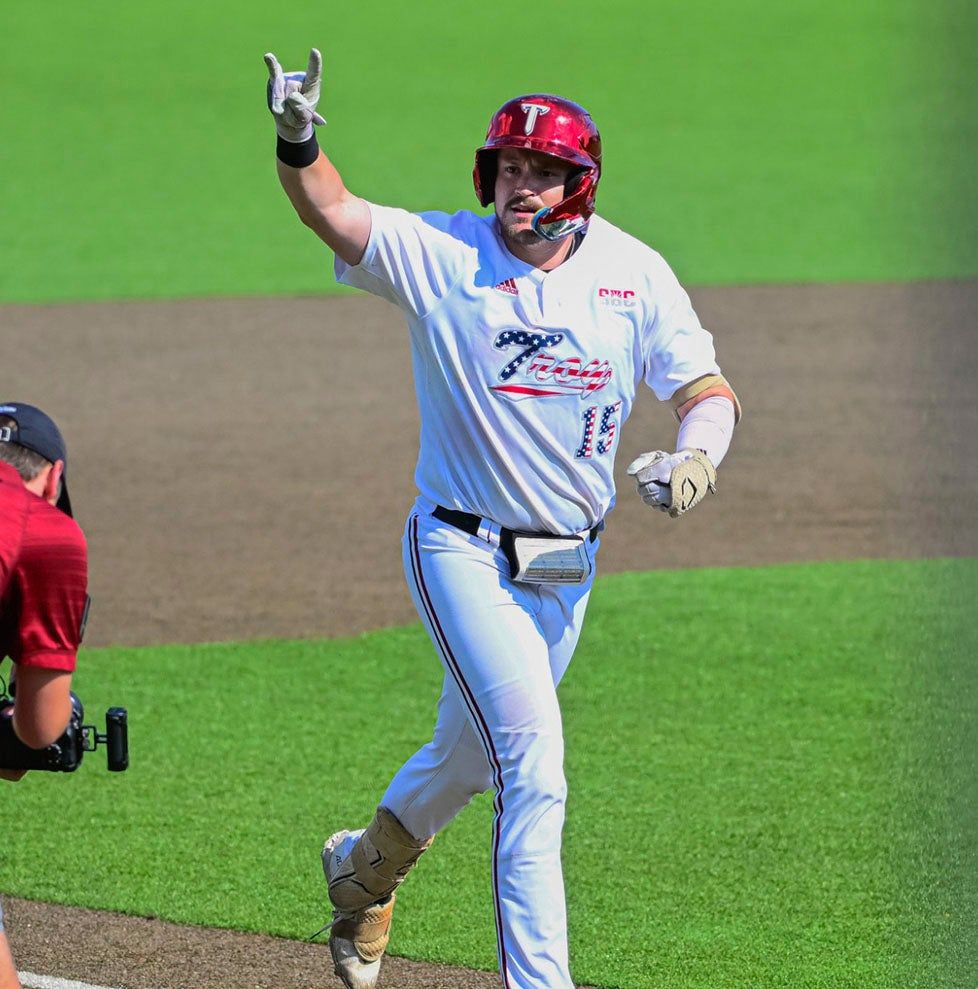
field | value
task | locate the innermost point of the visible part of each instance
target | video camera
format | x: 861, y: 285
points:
x: 65, y: 755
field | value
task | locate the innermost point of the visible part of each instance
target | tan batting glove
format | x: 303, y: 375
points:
x: 673, y: 482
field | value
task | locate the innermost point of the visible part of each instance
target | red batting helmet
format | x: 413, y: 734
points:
x: 553, y: 126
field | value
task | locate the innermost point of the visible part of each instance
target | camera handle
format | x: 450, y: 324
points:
x: 116, y: 738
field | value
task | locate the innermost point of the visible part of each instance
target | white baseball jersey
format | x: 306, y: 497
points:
x: 524, y: 377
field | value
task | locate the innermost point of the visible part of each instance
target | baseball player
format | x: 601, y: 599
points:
x: 531, y: 329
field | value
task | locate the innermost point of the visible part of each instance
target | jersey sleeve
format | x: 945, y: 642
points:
x: 411, y: 259
x: 52, y: 578
x: 676, y: 348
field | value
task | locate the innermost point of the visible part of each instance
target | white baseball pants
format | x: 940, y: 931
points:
x: 504, y: 647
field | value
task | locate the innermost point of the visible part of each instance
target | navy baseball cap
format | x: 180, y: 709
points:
x: 36, y: 431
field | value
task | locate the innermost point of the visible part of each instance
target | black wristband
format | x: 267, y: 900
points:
x: 297, y: 155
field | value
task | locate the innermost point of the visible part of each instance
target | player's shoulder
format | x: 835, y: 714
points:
x: 53, y: 557
x: 463, y: 225
x: 433, y: 226
x: 633, y: 257
x: 625, y: 246
x: 49, y: 531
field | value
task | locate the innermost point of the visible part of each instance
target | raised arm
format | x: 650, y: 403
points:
x: 309, y: 178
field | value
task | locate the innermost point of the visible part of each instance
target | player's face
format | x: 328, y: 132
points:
x: 526, y: 181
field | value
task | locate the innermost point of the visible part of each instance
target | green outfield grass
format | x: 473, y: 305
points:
x: 772, y: 776
x: 749, y: 141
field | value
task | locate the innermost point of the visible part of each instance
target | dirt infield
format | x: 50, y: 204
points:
x: 243, y: 469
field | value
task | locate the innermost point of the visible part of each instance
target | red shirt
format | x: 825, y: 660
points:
x: 43, y: 578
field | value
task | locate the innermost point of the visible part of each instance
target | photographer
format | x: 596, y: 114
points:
x: 43, y: 588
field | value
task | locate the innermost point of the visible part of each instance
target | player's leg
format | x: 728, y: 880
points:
x: 561, y: 616
x: 512, y: 661
x: 442, y: 776
x: 497, y: 655
x: 363, y: 868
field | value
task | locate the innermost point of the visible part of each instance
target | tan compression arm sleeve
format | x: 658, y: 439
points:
x: 708, y: 385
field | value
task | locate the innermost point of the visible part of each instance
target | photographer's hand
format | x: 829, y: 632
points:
x: 12, y: 775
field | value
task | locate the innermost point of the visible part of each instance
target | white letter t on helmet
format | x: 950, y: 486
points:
x: 532, y: 111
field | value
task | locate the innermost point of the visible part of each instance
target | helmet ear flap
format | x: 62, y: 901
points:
x: 573, y: 183
x: 484, y: 174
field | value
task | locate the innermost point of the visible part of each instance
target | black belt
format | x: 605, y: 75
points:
x: 472, y: 523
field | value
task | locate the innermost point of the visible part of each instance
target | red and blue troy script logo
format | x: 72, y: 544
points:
x: 539, y: 374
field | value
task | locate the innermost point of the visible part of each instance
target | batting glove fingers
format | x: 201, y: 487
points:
x: 292, y: 97
x: 651, y: 472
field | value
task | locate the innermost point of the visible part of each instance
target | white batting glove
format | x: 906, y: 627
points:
x: 652, y: 472
x: 292, y: 97
x: 673, y: 482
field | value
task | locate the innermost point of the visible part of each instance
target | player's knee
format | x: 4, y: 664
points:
x: 535, y: 748
x: 536, y: 770
x: 536, y: 817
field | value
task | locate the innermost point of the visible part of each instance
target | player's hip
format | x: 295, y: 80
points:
x: 480, y: 544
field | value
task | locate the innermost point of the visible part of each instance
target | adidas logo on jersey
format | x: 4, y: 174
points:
x: 509, y: 285
x: 616, y: 297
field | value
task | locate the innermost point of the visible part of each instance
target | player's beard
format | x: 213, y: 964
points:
x: 517, y: 229
x: 521, y: 234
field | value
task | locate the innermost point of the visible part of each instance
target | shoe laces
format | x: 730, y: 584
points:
x: 339, y: 915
